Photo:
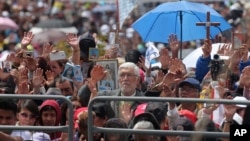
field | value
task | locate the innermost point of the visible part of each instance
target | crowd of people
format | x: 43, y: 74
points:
x: 38, y: 74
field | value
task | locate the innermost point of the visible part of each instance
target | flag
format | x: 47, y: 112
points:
x: 125, y: 7
x: 152, y: 54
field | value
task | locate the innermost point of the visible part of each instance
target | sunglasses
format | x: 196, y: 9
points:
x: 25, y: 115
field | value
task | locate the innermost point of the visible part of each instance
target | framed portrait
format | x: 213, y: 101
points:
x: 7, y: 66
x: 238, y: 39
x: 72, y: 72
x: 93, y: 53
x: 110, y: 82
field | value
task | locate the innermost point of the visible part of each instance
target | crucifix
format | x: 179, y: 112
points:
x: 116, y: 30
x: 208, y: 24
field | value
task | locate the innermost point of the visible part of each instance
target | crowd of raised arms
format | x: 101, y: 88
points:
x: 70, y: 68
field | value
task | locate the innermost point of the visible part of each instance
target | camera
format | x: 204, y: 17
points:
x: 216, y: 66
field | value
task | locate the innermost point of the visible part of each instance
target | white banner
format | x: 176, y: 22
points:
x: 125, y: 7
x: 151, y: 53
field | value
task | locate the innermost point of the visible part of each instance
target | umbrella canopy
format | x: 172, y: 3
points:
x: 49, y: 36
x: 7, y: 23
x: 53, y: 24
x: 175, y: 17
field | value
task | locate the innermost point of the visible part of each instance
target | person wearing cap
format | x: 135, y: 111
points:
x: 236, y: 117
x: 145, y: 121
x: 189, y: 88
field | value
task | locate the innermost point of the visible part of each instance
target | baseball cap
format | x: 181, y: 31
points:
x: 102, y: 110
x: 146, y: 117
x: 240, y: 98
x: 192, y: 81
x: 158, y: 109
x: 190, y: 115
x: 140, y: 109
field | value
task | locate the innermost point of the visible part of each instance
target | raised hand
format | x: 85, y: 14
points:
x: 27, y: 39
x: 38, y: 78
x: 159, y: 77
x: 223, y: 49
x: 126, y: 112
x: 23, y: 75
x: 72, y: 40
x: 244, y: 52
x: 174, y: 45
x: 245, y: 77
x: 23, y: 88
x: 31, y: 63
x: 177, y: 64
x: 97, y: 73
x: 164, y: 58
x: 206, y: 48
x: 47, y: 48
x: 11, y: 57
x: 169, y: 79
x: 50, y: 76
x: 234, y: 61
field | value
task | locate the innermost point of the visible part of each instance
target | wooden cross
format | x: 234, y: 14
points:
x: 117, y: 31
x: 208, y: 24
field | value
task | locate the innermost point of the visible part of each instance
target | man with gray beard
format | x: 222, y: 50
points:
x: 128, y: 78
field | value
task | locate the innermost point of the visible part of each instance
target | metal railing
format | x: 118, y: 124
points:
x: 92, y: 129
x: 68, y: 128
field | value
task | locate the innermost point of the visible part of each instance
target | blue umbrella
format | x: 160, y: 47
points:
x: 175, y: 17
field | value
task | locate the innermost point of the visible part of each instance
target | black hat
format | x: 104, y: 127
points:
x: 146, y: 117
x: 153, y: 93
x: 158, y: 109
x: 86, y: 41
x: 103, y: 109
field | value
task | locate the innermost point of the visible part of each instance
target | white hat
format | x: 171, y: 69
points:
x: 86, y: 14
x: 40, y: 136
x: 105, y: 29
x: 129, y: 32
x: 240, y: 98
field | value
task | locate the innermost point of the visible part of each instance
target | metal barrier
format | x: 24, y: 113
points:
x: 68, y: 128
x: 93, y: 129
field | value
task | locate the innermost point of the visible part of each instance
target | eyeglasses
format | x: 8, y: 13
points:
x: 123, y: 75
x: 25, y: 115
